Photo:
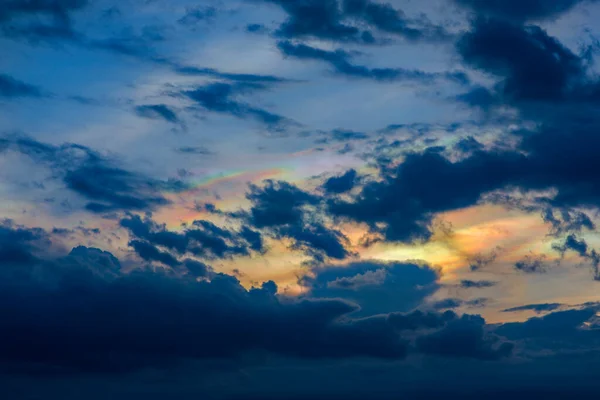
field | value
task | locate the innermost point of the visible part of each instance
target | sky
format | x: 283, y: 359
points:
x: 290, y: 199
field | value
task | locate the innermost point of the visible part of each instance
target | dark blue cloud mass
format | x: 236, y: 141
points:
x: 82, y: 312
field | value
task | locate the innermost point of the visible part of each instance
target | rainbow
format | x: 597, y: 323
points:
x: 213, y: 180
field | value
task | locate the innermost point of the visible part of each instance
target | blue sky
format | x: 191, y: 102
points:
x: 298, y: 198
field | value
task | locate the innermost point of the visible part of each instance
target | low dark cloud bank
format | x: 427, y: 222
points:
x: 83, y: 312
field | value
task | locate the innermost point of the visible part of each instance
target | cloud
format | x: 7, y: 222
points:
x: 468, y: 284
x: 341, y: 184
x: 157, y: 111
x: 562, y: 326
x: 281, y: 209
x: 195, y: 15
x: 150, y: 253
x: 532, y: 264
x: 23, y: 19
x: 464, y: 337
x: 378, y: 287
x: 11, y: 88
x: 454, y: 303
x: 447, y: 304
x: 343, y: 21
x: 278, y: 203
x: 256, y: 28
x: 105, y: 185
x: 534, y: 65
x: 401, y: 206
x: 558, y: 156
x: 567, y: 221
x: 317, y: 241
x: 521, y: 10
x: 202, y: 239
x: 580, y: 246
x: 98, y: 318
x: 19, y: 244
x: 537, y: 308
x: 340, y: 61
x: 385, y: 18
x: 220, y: 97
x: 199, y: 150
x: 315, y: 18
x: 341, y: 135
x: 227, y: 76
x: 468, y: 145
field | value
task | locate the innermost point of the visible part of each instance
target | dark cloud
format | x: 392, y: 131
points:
x: 195, y: 15
x: 567, y: 221
x: 537, y: 308
x: 341, y: 184
x: 340, y: 60
x: 468, y: 145
x: 558, y: 156
x: 317, y: 241
x: 534, y: 66
x: 315, y: 18
x: 385, y: 18
x: 281, y: 209
x: 150, y: 253
x: 468, y: 284
x: 447, y: 304
x: 24, y: 19
x: 233, y: 77
x: 532, y: 264
x: 453, y: 303
x: 378, y: 287
x: 202, y: 239
x: 341, y: 135
x: 157, y: 111
x: 573, y: 244
x: 401, y: 206
x: 19, y: 244
x: 114, y: 323
x: 521, y: 10
x: 256, y: 28
x: 221, y: 97
x: 559, y: 326
x: 199, y: 150
x: 464, y: 337
x: 479, y: 97
x: 83, y: 313
x: 278, y: 203
x: 12, y: 88
x: 581, y: 248
x: 352, y: 21
x: 111, y: 188
x: 95, y: 178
